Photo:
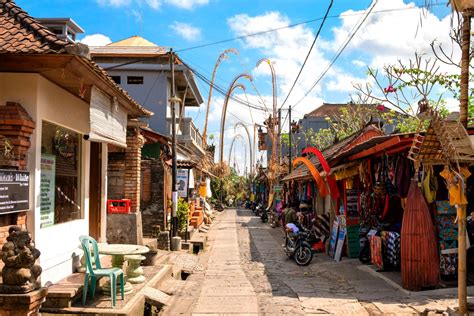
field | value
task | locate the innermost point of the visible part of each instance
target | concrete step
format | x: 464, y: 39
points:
x: 155, y: 297
x: 65, y: 292
x: 132, y: 305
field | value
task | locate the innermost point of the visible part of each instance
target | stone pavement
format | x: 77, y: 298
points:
x: 247, y: 272
x: 226, y: 289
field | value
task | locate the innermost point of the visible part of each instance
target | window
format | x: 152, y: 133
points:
x: 134, y: 79
x: 60, y: 187
x: 117, y: 79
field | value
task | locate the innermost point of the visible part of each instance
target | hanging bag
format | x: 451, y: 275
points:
x: 390, y: 188
x: 379, y: 185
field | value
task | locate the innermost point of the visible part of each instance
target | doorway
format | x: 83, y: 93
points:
x: 95, y: 189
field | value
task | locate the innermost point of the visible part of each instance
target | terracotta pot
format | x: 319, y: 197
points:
x: 462, y: 5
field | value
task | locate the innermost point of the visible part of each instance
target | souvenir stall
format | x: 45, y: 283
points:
x: 373, y: 178
x: 445, y: 147
x: 386, y: 212
x: 370, y: 210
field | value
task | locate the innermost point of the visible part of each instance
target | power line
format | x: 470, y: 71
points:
x: 270, y: 31
x: 297, y: 24
x: 231, y: 128
x: 309, y: 53
x: 340, y: 50
x: 222, y: 91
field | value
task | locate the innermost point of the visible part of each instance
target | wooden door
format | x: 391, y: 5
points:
x: 95, y: 190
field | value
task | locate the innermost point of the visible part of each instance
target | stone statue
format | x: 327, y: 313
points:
x: 19, y: 254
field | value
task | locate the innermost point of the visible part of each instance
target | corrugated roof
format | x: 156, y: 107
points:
x: 329, y: 153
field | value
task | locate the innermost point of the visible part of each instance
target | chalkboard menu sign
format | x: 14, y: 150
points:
x: 14, y: 191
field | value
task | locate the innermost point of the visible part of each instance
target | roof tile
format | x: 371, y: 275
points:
x: 22, y: 34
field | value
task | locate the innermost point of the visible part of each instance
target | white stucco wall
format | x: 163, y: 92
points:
x: 44, y: 100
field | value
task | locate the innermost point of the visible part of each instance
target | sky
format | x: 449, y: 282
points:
x: 394, y: 30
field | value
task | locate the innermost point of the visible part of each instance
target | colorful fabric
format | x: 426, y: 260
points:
x: 376, y: 251
x: 393, y: 249
x: 430, y: 185
x: 448, y: 264
x: 444, y: 208
x: 455, y: 185
x: 447, y: 229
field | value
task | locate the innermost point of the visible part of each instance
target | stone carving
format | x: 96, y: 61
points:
x: 19, y: 254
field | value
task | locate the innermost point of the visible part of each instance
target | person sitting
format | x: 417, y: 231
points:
x: 290, y: 216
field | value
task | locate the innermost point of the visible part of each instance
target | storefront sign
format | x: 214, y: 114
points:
x: 182, y: 182
x: 14, y: 191
x: 47, y: 189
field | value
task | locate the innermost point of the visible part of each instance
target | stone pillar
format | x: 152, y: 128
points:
x: 164, y: 241
x: 133, y: 157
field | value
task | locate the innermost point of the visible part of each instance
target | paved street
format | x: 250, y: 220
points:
x: 247, y: 272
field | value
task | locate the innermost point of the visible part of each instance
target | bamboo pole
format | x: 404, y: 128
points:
x: 463, y: 116
x: 462, y: 274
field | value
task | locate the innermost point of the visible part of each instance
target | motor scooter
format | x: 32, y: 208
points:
x: 297, y: 246
x: 259, y: 209
x: 264, y: 215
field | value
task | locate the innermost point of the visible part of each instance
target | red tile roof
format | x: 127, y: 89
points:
x: 332, y: 109
x: 22, y: 34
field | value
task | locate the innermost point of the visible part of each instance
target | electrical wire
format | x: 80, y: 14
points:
x: 221, y: 90
x: 340, y: 50
x: 297, y: 24
x: 309, y: 53
x: 269, y: 31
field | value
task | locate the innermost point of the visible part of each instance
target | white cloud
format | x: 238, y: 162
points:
x: 359, y: 63
x: 155, y: 4
x: 385, y: 39
x: 186, y: 31
x: 96, y: 40
x: 286, y: 48
x: 114, y: 3
x: 187, y: 4
x: 344, y: 82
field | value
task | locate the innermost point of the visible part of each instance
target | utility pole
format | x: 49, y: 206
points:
x: 290, y: 136
x: 173, y: 100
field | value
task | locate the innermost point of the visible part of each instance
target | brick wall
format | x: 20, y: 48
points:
x: 133, y: 157
x: 116, y: 175
x: 154, y: 209
x: 16, y: 126
x: 146, y: 182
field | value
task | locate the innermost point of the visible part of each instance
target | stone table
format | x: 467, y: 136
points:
x: 118, y: 252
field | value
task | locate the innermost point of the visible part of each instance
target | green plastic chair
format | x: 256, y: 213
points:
x: 98, y: 271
